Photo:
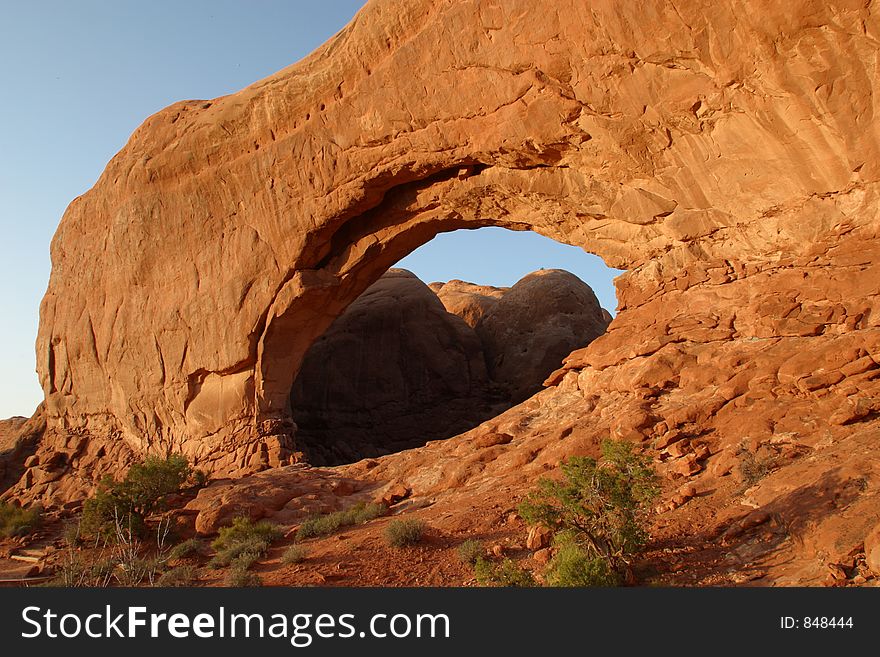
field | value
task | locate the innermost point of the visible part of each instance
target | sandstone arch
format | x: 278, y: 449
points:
x: 715, y: 152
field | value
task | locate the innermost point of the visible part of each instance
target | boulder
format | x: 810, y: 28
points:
x: 539, y: 537
x: 530, y: 330
x: 469, y: 301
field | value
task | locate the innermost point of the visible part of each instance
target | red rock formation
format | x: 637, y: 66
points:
x: 725, y: 155
x: 468, y: 301
x: 678, y: 143
x: 535, y: 325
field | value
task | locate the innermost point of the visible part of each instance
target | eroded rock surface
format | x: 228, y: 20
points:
x: 19, y: 439
x: 469, y: 301
x: 671, y: 141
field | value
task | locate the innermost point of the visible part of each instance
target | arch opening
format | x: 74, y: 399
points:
x: 415, y: 359
x: 342, y: 258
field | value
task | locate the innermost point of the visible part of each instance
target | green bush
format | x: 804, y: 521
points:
x: 327, y: 523
x: 17, y: 520
x: 125, y: 505
x: 600, y: 506
x: 244, y: 560
x: 243, y: 542
x: 506, y: 573
x: 242, y: 530
x: 401, y: 533
x: 188, y: 548
x: 249, y: 550
x: 572, y: 565
x: 469, y: 551
x: 294, y: 554
x: 240, y: 577
x: 179, y: 576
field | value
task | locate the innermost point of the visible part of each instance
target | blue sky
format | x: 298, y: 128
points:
x: 79, y: 77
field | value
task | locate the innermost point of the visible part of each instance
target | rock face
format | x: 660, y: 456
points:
x: 725, y: 155
x: 9, y: 432
x: 468, y: 301
x: 398, y: 369
x: 19, y: 438
x: 535, y: 325
x: 526, y: 330
x: 393, y: 372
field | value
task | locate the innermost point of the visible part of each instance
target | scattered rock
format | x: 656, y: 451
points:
x: 686, y: 467
x: 543, y: 556
x: 837, y: 572
x: 539, y: 537
x: 395, y: 494
x: 679, y: 449
x: 685, y: 493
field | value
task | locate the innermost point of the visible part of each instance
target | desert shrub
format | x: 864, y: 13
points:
x: 244, y: 560
x: 401, y: 533
x: 243, y: 542
x: 327, y: 523
x: 17, y: 520
x: 363, y: 512
x: 132, y: 571
x: 505, y: 573
x: 199, y: 479
x: 245, y: 550
x: 601, y: 506
x: 241, y: 577
x: 179, y: 576
x: 127, y: 560
x: 188, y: 548
x: 469, y: 551
x: 294, y: 554
x: 130, y: 501
x: 752, y: 467
x: 78, y: 570
x: 106, y: 509
x: 572, y: 565
x: 243, y: 530
x: 71, y: 533
x: 319, y: 525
